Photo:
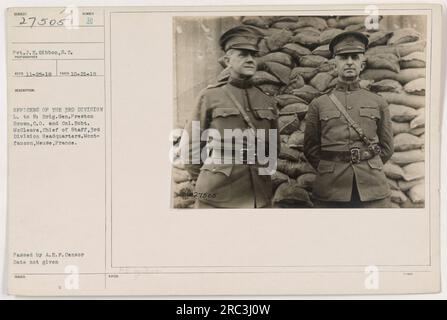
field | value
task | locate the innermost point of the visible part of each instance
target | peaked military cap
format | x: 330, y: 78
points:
x: 349, y: 42
x: 240, y: 37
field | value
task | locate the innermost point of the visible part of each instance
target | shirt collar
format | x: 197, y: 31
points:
x: 348, y: 86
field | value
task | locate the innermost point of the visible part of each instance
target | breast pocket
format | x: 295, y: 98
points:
x: 265, y: 114
x: 224, y: 112
x: 369, y: 117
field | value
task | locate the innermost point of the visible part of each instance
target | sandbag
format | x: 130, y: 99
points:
x: 394, y: 205
x: 312, y: 61
x: 407, y: 75
x: 180, y: 175
x: 321, y: 81
x: 404, y: 127
x: 329, y: 66
x: 356, y: 27
x: 288, y: 124
x: 419, y: 121
x: 379, y: 38
x: 295, y: 50
x: 286, y: 99
x: 308, y: 30
x: 314, y: 22
x: 290, y: 194
x: 400, y: 113
x: 364, y: 84
x: 307, y: 73
x: 406, y: 157
x: 279, y: 71
x: 323, y: 51
x: 404, y: 98
x: 393, y: 184
x: 406, y: 141
x: 413, y: 60
x: 393, y: 171
x: 398, y: 196
x: 297, y: 108
x: 306, y: 92
x: 352, y: 20
x: 409, y: 204
x: 296, y: 140
x: 404, y: 35
x: 407, y: 185
x: 278, y: 39
x: 263, y: 49
x: 417, y: 193
x: 182, y: 203
x: 307, y: 39
x: 285, y: 19
x: 290, y: 25
x: 414, y: 171
x: 295, y: 83
x: 302, y: 127
x: 259, y: 22
x: 327, y: 35
x: 288, y: 153
x: 416, y: 87
x: 278, y: 177
x: 306, y: 181
x: 386, y: 61
x: 263, y: 77
x: 294, y: 169
x: 332, y: 23
x: 278, y: 57
x: 386, y: 85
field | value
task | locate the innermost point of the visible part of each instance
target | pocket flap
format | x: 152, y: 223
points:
x: 266, y: 113
x: 370, y: 112
x: 225, y: 112
x: 326, y: 166
x: 226, y: 169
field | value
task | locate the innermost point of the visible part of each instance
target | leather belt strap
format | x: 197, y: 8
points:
x: 355, y: 155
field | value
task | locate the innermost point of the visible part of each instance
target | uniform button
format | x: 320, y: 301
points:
x: 349, y: 108
x: 214, y: 169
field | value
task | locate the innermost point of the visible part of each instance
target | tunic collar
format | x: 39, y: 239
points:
x: 241, y: 83
x: 348, y: 86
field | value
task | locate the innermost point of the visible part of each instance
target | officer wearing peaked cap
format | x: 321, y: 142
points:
x: 348, y: 135
x: 232, y: 178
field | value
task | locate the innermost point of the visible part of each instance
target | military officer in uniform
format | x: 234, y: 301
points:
x: 233, y: 104
x: 348, y: 135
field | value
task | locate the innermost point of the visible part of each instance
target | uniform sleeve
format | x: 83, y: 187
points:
x: 191, y: 148
x: 385, y: 132
x: 312, y: 135
x: 276, y: 126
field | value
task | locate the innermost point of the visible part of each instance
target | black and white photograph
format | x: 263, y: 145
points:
x: 300, y: 111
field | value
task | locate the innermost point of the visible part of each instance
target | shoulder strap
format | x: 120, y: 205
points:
x: 240, y: 108
x: 351, y: 121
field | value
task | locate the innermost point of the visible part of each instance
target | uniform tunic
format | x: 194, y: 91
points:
x: 327, y: 129
x: 231, y: 185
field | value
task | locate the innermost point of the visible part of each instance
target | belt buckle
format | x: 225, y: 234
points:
x: 355, y: 155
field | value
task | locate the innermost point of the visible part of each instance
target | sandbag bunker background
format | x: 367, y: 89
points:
x: 295, y: 66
